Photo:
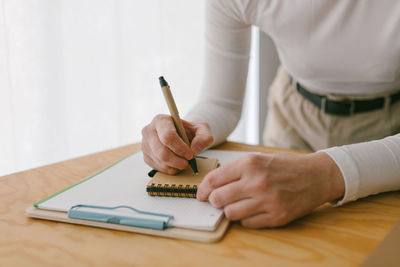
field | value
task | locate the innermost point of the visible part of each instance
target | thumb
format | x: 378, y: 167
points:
x: 202, y: 137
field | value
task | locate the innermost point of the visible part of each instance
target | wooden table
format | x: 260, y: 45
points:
x: 330, y: 236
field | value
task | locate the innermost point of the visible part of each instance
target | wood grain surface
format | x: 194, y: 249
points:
x: 341, y: 236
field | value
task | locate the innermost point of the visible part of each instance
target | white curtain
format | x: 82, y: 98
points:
x: 80, y: 76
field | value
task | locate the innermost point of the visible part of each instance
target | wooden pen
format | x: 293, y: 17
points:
x: 176, y: 119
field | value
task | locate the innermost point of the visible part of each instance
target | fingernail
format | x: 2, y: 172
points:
x: 195, y: 150
x: 189, y: 155
x: 199, y: 195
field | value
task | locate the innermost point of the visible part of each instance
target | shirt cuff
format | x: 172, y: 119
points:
x: 349, y: 171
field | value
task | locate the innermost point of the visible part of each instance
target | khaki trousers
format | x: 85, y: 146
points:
x: 294, y: 122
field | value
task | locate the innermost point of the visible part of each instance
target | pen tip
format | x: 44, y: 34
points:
x: 163, y: 82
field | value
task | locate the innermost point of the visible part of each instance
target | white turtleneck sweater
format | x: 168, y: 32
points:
x: 341, y: 46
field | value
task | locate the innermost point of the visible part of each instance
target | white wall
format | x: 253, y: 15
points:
x: 78, y: 77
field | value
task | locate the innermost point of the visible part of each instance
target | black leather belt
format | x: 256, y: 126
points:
x: 345, y: 107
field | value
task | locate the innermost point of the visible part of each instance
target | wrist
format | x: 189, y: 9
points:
x: 333, y: 186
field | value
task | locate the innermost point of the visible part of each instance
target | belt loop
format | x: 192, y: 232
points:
x: 387, y: 104
x: 352, y: 104
x: 323, y: 104
x: 292, y: 81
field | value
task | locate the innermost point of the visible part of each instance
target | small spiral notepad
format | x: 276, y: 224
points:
x: 183, y: 184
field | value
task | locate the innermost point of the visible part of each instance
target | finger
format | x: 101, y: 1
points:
x: 271, y: 219
x: 160, y: 167
x: 258, y: 221
x: 225, y: 174
x: 189, y: 129
x: 202, y: 138
x: 162, y: 155
x: 169, y: 137
x: 228, y: 194
x: 242, y: 209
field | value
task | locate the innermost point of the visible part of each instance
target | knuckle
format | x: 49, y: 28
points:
x: 165, y: 168
x: 205, y: 125
x: 181, y: 151
x: 206, y: 129
x: 209, y: 139
x: 251, y: 160
x: 171, y: 171
x: 145, y: 131
x: 282, y: 217
x: 212, y: 181
x: 206, y: 183
x: 261, y: 185
x: 148, y: 161
x: 216, y: 199
x: 167, y: 138
x: 163, y: 155
x: 145, y: 147
x: 159, y: 117
x: 181, y: 164
x: 230, y: 213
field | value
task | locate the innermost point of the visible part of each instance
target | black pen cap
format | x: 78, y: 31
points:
x: 163, y: 82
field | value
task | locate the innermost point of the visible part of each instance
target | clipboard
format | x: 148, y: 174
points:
x: 145, y: 222
x: 176, y: 233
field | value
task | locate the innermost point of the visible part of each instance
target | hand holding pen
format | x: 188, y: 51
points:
x: 164, y: 149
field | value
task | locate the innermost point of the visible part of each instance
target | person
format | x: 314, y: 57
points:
x: 336, y: 95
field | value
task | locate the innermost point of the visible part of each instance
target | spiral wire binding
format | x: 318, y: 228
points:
x: 167, y: 190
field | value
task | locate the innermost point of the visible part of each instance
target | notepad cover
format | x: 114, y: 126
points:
x: 183, y: 184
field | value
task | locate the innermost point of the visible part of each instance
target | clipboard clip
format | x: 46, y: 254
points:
x: 105, y: 214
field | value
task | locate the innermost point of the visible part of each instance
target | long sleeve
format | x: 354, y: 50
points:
x: 226, y: 62
x: 368, y: 168
x: 300, y: 31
